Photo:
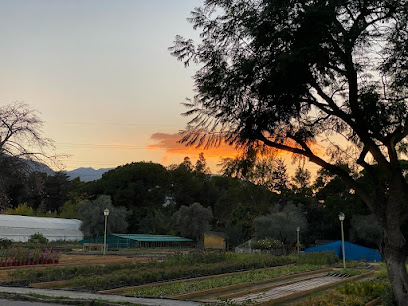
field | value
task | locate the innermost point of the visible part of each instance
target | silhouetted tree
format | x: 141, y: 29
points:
x: 93, y: 219
x: 287, y: 73
x: 281, y: 224
x: 193, y: 221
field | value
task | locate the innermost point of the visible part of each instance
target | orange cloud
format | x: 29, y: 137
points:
x: 169, y: 143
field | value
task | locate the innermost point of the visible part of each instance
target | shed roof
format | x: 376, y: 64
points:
x: 152, y: 238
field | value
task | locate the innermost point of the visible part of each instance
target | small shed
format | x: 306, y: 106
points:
x: 215, y: 240
x: 352, y: 251
x: 20, y: 228
x: 120, y: 241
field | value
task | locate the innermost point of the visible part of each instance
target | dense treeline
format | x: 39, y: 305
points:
x: 238, y: 200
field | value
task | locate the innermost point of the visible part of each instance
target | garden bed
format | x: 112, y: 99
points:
x: 179, y: 266
x: 259, y: 276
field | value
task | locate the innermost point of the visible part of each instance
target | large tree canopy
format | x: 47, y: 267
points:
x: 305, y: 75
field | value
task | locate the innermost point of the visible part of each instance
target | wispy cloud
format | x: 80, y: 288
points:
x: 170, y: 145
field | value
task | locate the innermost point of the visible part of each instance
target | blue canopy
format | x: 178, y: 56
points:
x: 353, y: 251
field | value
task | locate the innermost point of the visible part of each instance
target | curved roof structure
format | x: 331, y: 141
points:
x: 139, y: 240
x: 20, y: 228
x: 352, y: 251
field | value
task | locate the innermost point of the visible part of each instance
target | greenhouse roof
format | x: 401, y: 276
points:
x: 152, y: 238
x: 20, y: 228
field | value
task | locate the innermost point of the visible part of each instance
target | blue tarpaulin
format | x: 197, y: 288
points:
x: 353, y: 251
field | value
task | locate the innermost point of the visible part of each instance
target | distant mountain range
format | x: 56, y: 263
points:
x: 39, y: 167
x: 87, y: 174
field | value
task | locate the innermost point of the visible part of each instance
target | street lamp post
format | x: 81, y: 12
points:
x: 341, y: 218
x: 106, y: 213
x: 298, y: 244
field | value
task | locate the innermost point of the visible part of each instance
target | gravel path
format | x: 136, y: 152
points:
x: 95, y: 296
x: 285, y: 290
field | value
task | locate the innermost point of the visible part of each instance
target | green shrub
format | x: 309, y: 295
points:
x: 38, y: 238
x: 368, y: 289
x: 197, y: 257
x: 5, y: 243
x: 267, y: 244
x: 355, y: 293
x: 317, y: 258
x: 333, y: 297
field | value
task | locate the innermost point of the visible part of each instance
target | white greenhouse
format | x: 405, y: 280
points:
x: 20, y: 228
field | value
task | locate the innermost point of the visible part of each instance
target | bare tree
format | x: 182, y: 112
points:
x: 21, y: 133
x: 21, y: 138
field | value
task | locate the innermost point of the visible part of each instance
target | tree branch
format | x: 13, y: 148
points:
x: 319, y: 161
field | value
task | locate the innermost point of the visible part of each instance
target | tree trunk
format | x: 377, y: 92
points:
x: 395, y: 244
x: 397, y: 274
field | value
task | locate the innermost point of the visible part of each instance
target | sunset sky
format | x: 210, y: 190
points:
x: 100, y: 74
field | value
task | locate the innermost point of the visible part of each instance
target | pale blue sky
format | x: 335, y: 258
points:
x: 99, y: 72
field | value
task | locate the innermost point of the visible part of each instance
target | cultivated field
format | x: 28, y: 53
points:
x: 214, y: 277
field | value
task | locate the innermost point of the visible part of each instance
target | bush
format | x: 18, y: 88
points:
x: 5, y: 243
x: 332, y: 297
x: 355, y: 293
x: 368, y: 289
x: 267, y: 244
x: 317, y: 258
x: 38, y: 238
x: 197, y: 257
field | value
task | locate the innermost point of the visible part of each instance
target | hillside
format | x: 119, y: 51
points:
x: 87, y: 174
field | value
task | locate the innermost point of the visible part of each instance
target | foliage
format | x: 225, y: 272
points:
x: 197, y: 257
x: 234, y: 235
x: 201, y: 167
x: 22, y: 209
x: 281, y: 224
x: 24, y: 254
x: 156, y: 222
x: 111, y: 276
x: 368, y: 289
x: 267, y: 244
x: 57, y: 188
x: 193, y: 221
x: 133, y: 185
x: 5, y: 243
x: 172, y: 267
x: 219, y: 281
x: 317, y: 258
x: 332, y: 298
x: 69, y: 210
x: 93, y: 219
x: 286, y: 74
x: 264, y: 170
x: 367, y: 229
x: 354, y: 293
x: 38, y: 238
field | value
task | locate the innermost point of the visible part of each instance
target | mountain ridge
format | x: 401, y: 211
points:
x: 87, y: 174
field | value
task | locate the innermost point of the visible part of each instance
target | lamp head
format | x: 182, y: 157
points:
x: 298, y: 228
x: 341, y: 216
x: 106, y: 212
